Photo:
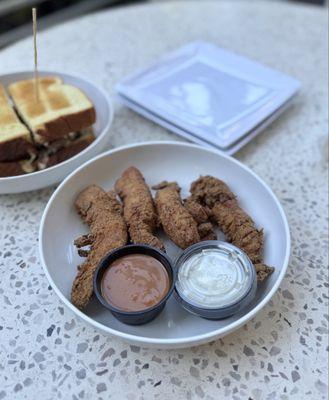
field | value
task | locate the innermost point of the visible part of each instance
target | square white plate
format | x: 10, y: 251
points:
x: 188, y: 135
x: 214, y: 96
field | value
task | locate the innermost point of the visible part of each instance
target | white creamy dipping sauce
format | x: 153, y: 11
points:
x: 213, y: 278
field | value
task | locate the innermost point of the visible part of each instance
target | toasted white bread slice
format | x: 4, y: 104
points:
x: 14, y: 168
x: 15, y: 138
x: 58, y: 110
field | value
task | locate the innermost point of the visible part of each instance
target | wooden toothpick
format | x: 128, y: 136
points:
x: 36, y: 74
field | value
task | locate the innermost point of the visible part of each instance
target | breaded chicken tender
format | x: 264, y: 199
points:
x: 103, y: 213
x: 175, y: 219
x: 201, y: 215
x: 236, y: 224
x: 138, y: 208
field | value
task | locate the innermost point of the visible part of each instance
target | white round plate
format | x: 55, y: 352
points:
x: 158, y: 161
x: 49, y: 176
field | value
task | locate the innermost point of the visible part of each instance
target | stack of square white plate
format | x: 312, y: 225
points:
x: 209, y: 95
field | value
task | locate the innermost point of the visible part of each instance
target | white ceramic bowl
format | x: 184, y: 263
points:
x: 49, y: 176
x: 182, y: 162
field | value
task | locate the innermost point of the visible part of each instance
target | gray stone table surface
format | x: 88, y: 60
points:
x: 46, y: 353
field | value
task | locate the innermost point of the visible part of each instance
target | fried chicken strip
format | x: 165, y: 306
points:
x: 138, y: 210
x: 103, y: 213
x: 236, y: 224
x: 202, y: 217
x: 175, y: 219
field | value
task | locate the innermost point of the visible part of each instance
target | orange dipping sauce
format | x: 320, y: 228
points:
x: 135, y: 282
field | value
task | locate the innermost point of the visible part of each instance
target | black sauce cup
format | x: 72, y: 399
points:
x: 142, y: 316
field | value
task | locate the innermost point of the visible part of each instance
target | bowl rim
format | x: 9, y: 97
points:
x: 169, y: 342
x: 101, y: 135
x: 116, y: 253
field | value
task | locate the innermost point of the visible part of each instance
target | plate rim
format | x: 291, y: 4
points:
x: 43, y: 72
x: 170, y: 342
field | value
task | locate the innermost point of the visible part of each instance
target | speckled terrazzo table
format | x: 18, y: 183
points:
x: 46, y: 353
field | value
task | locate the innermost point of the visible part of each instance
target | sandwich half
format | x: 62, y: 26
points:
x: 44, y: 128
x: 55, y: 111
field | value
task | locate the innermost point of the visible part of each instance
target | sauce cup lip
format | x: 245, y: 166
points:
x: 126, y: 250
x: 199, y: 308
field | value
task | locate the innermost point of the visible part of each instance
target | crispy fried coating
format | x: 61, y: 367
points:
x: 103, y: 213
x: 206, y: 231
x: 175, y: 219
x: 263, y: 271
x: 236, y: 224
x: 201, y: 215
x: 139, y: 211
